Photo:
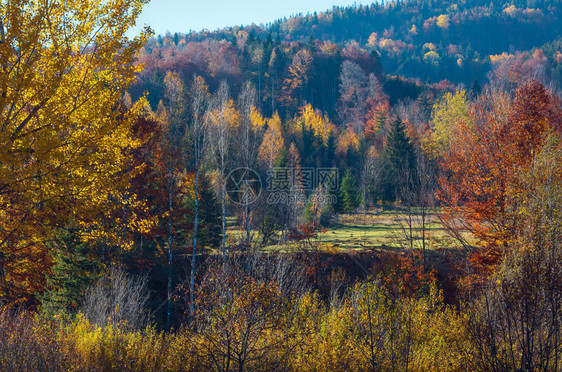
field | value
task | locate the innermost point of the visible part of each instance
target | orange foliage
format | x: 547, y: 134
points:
x: 348, y: 140
x: 405, y: 275
x: 481, y: 182
x: 375, y: 118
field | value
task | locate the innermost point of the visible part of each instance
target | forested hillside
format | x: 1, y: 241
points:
x: 427, y: 42
x: 375, y: 187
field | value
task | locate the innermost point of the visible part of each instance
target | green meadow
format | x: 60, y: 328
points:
x: 376, y: 228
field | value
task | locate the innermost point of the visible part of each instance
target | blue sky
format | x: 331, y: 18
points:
x: 182, y: 16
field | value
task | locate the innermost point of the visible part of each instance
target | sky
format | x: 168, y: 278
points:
x: 183, y: 16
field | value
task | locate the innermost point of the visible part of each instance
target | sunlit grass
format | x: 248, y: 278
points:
x: 381, y: 228
x: 372, y: 229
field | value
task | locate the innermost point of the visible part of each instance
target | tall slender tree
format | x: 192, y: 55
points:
x: 174, y: 94
x: 250, y: 131
x: 200, y: 97
x: 398, y: 161
x: 224, y: 118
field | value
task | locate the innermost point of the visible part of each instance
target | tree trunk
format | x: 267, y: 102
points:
x: 170, y: 232
x: 193, y: 257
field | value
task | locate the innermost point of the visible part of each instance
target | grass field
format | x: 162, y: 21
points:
x: 378, y: 227
x: 374, y: 228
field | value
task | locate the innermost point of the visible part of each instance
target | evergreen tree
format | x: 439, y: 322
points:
x: 209, y: 225
x: 309, y: 148
x: 475, y: 89
x: 282, y: 160
x: 330, y: 151
x: 72, y: 273
x: 425, y: 103
x: 349, y: 197
x: 398, y: 162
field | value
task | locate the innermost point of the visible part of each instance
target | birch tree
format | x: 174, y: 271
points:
x: 174, y: 95
x: 199, y: 95
x: 223, y: 119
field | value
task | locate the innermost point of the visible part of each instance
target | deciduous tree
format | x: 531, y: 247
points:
x: 64, y: 145
x: 481, y: 184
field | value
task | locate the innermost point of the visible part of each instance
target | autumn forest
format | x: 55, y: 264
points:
x: 368, y: 188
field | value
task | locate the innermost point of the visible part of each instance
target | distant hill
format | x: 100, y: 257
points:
x: 409, y: 46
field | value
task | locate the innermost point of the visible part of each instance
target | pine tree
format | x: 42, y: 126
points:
x: 72, y: 273
x: 209, y: 230
x: 282, y: 160
x: 475, y: 89
x: 330, y: 151
x: 398, y: 162
x: 349, y: 197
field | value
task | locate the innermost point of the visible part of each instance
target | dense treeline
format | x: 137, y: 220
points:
x: 178, y: 230
x: 457, y: 41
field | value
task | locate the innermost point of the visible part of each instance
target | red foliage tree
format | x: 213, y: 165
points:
x: 481, y: 185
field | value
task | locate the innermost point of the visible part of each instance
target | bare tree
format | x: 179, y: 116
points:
x: 223, y: 118
x: 250, y: 131
x: 118, y: 299
x: 249, y: 323
x: 199, y: 95
x: 174, y: 93
x: 22, y: 350
x: 416, y: 195
x: 352, y: 105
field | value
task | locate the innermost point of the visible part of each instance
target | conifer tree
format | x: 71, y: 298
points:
x: 398, y: 162
x: 71, y: 275
x: 349, y: 197
x: 209, y: 229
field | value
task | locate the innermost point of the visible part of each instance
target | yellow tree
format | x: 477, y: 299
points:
x: 223, y: 119
x: 272, y: 143
x: 64, y: 144
x: 320, y: 125
x: 447, y: 112
x: 299, y: 73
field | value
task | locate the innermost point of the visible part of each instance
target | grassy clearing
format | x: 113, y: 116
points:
x: 375, y: 228
x: 381, y: 228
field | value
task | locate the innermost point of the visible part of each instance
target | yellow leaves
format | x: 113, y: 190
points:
x: 319, y: 124
x: 329, y: 47
x: 443, y: 21
x: 256, y: 119
x: 348, y: 140
x: 499, y: 58
x: 386, y: 43
x: 369, y: 329
x: 64, y: 145
x: 446, y: 114
x: 510, y: 10
x: 226, y: 115
x: 272, y: 143
x: 432, y: 57
x: 429, y: 46
x: 373, y: 39
x: 298, y: 72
